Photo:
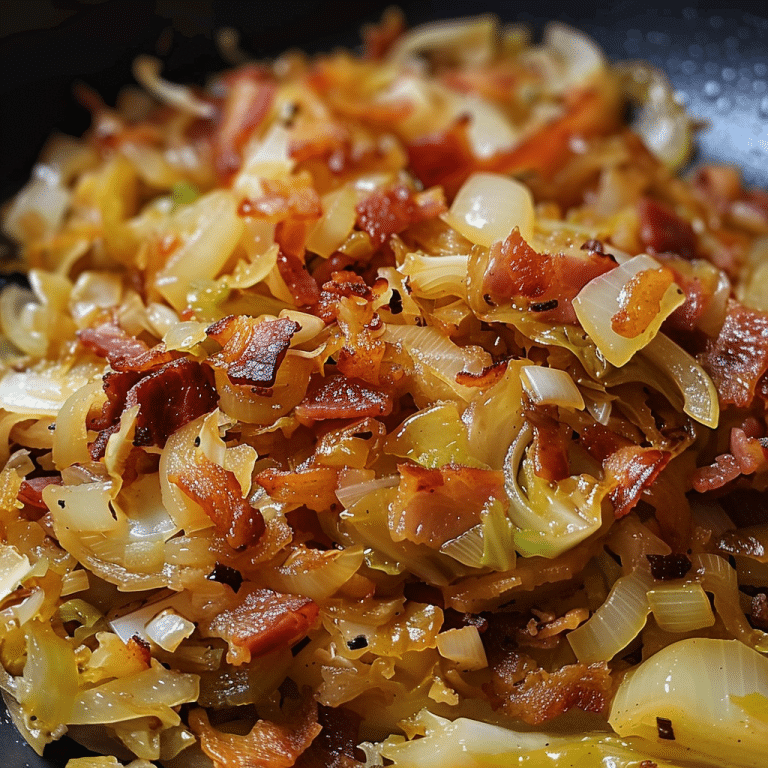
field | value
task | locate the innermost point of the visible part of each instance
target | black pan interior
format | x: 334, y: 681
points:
x: 717, y: 58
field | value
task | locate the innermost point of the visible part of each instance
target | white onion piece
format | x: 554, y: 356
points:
x: 336, y: 223
x: 27, y: 609
x: 489, y: 130
x: 699, y: 393
x: 42, y: 198
x: 471, y: 39
x: 14, y: 567
x: 168, y: 630
x: 551, y: 386
x: 616, y: 622
x: 681, y: 607
x: 161, y: 318
x: 600, y: 299
x: 134, y: 623
x: 146, y: 70
x: 83, y: 507
x: 70, y: 438
x: 489, y: 206
x: 74, y: 582
x: 699, y: 685
x: 264, y: 158
x: 37, y: 394
x: 435, y: 277
x: 185, y: 335
x: 463, y: 646
x: 580, y: 53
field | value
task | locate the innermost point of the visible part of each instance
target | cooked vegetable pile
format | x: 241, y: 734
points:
x: 405, y: 408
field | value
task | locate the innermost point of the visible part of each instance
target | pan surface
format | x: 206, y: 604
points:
x: 716, y: 58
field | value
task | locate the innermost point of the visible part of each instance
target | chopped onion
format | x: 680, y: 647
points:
x: 135, y: 623
x: 29, y: 607
x: 18, y: 307
x: 581, y: 55
x: 14, y: 568
x: 264, y: 158
x: 146, y: 70
x: 74, y: 582
x: 463, y: 646
x: 168, y: 629
x: 82, y: 507
x: 681, y: 607
x: 616, y: 622
x: 435, y: 277
x: 336, y: 223
x: 489, y: 130
x: 185, y: 335
x: 44, y: 199
x: 489, y: 206
x: 600, y: 299
x: 70, y: 438
x: 701, y: 402
x: 551, y: 386
x: 698, y: 684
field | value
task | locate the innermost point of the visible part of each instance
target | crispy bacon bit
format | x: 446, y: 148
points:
x: 740, y: 543
x: 751, y: 453
x: 335, y: 746
x: 383, y: 214
x: 265, y: 621
x: 434, y: 506
x: 341, y: 284
x: 266, y: 745
x: 123, y: 351
x: 247, y: 103
x: 632, y: 469
x: 663, y: 231
x: 640, y: 301
x: 600, y: 442
x: 738, y: 358
x: 486, y: 378
x: 724, y: 469
x: 546, y: 628
x: 550, y: 446
x: 759, y: 610
x: 542, y: 696
x: 337, y: 397
x: 664, y: 728
x: 226, y: 575
x: 252, y: 349
x: 139, y: 648
x: 301, y: 284
x: 314, y: 487
x: 168, y: 398
x: 517, y: 271
x: 218, y: 492
x: 31, y: 491
x: 666, y: 567
x: 294, y: 199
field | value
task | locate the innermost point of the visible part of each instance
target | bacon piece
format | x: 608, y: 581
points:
x: 550, y: 446
x: 249, y: 98
x: 384, y: 214
x: 486, y: 378
x: 252, y: 349
x: 218, y: 492
x: 265, y: 621
x: 31, y: 491
x: 546, y: 628
x: 759, y: 610
x: 379, y: 38
x: 337, y: 397
x: 123, y: 351
x: 266, y: 745
x: 342, y: 284
x: 738, y: 358
x: 168, y: 398
x: 314, y: 487
x: 663, y: 231
x: 640, y: 301
x: 724, y: 469
x: 600, y: 442
x: 294, y: 199
x: 632, y: 469
x: 751, y: 453
x: 335, y: 746
x: 300, y: 283
x: 542, y: 696
x: 517, y: 271
x: 434, y: 506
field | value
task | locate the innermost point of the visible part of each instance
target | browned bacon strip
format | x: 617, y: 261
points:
x: 337, y: 397
x: 31, y: 491
x: 123, y: 351
x: 314, y: 487
x: 383, y: 214
x: 663, y: 231
x: 633, y: 469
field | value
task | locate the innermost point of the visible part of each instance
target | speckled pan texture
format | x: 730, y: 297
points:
x: 716, y: 58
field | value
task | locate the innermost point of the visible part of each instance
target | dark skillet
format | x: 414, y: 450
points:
x: 716, y: 58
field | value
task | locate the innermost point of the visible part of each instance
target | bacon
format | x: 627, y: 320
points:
x: 384, y: 214
x: 314, y: 487
x: 31, y: 490
x: 218, y: 492
x: 759, y: 610
x: 550, y: 446
x: 294, y: 199
x: 335, y: 746
x: 640, y: 301
x: 342, y: 284
x: 266, y: 745
x: 738, y: 358
x: 632, y: 469
x: 168, y: 398
x: 542, y: 696
x: 751, y: 453
x: 517, y: 271
x: 265, y: 621
x: 379, y: 38
x: 486, y: 378
x: 600, y: 442
x: 724, y: 469
x: 434, y: 506
x: 663, y: 231
x: 300, y: 283
x: 337, y: 397
x: 252, y: 349
x: 249, y: 98
x: 123, y: 351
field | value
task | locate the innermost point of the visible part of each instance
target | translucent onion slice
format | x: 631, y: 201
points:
x: 489, y: 206
x: 699, y: 392
x: 168, y: 629
x: 581, y: 55
x: 681, y: 607
x: 13, y: 569
x: 699, y: 685
x: 551, y: 386
x: 616, y: 622
x: 463, y: 646
x: 146, y: 69
x: 74, y: 582
x: 350, y: 494
x: 336, y: 223
x: 435, y: 277
x: 135, y: 623
x: 600, y: 299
